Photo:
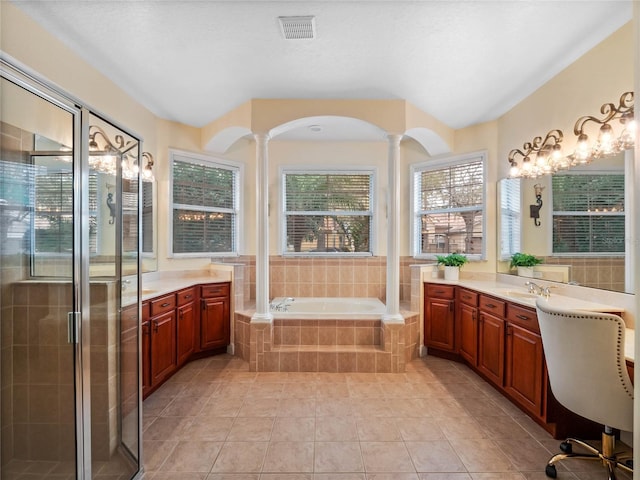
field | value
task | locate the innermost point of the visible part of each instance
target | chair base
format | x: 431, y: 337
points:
x: 610, y: 460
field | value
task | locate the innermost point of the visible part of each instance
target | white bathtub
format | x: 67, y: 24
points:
x: 331, y: 308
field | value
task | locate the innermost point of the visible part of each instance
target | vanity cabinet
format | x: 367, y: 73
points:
x: 526, y: 375
x: 491, y: 335
x: 163, y: 353
x: 467, y: 325
x: 214, y: 316
x: 178, y: 327
x: 186, y: 324
x: 439, y: 317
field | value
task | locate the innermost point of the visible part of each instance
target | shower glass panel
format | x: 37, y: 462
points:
x: 113, y: 266
x: 38, y: 425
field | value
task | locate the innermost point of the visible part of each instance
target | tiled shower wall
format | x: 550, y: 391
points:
x: 14, y: 142
x: 327, y: 277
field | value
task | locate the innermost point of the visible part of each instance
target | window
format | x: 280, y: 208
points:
x: 205, y: 205
x: 328, y: 212
x: 510, y: 217
x: 448, y: 207
x: 53, y: 219
x: 588, y: 214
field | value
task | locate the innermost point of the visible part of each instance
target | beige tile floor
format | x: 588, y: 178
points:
x: 215, y: 420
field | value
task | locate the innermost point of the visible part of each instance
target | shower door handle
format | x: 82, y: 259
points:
x: 73, y: 319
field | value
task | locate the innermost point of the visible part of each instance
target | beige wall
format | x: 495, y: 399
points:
x: 599, y: 76
x: 578, y: 90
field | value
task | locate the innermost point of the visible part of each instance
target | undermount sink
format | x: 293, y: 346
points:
x: 518, y: 294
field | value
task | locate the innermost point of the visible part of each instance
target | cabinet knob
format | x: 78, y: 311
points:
x: 523, y: 317
x: 155, y: 326
x: 491, y: 305
x: 165, y: 304
x: 187, y: 297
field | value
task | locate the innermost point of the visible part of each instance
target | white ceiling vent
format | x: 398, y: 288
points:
x: 298, y: 28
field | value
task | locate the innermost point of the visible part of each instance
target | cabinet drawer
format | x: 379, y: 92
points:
x: 468, y: 297
x: 525, y: 317
x: 186, y: 296
x: 490, y: 304
x: 440, y: 291
x: 215, y: 290
x: 163, y: 304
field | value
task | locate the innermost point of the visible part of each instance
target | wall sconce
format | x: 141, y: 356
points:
x: 607, y: 143
x: 539, y: 157
x: 534, y: 210
x: 147, y: 170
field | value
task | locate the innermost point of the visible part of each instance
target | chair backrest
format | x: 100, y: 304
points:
x: 586, y: 364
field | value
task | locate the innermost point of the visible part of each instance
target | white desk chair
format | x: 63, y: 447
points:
x: 588, y: 375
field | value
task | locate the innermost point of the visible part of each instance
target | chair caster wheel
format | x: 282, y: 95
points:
x: 566, y: 447
x: 550, y: 471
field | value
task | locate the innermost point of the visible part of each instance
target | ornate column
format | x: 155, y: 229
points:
x: 393, y: 231
x: 262, y: 229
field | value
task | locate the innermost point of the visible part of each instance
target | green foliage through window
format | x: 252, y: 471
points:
x: 205, y: 206
x: 588, y: 213
x: 328, y: 212
x: 449, y: 208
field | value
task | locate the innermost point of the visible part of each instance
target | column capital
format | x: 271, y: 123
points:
x: 261, y: 136
x: 394, y: 137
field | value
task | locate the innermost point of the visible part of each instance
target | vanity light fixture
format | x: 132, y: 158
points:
x: 538, y: 157
x: 610, y: 140
x: 103, y: 153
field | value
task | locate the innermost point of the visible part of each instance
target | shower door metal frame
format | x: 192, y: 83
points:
x: 79, y: 319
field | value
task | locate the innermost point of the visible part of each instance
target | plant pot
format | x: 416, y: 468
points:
x: 452, y: 273
x: 525, y: 272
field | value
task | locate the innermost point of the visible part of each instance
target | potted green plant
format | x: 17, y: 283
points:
x: 524, y: 263
x: 452, y: 264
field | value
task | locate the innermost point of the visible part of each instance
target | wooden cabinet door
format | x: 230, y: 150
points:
x: 468, y: 333
x: 525, y: 376
x: 214, y: 323
x: 163, y: 346
x: 186, y: 332
x: 491, y: 347
x: 439, y: 331
x: 146, y: 358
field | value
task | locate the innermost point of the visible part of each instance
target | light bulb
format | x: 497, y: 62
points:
x: 514, y: 171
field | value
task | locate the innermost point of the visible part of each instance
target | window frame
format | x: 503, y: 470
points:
x: 212, y: 162
x: 315, y: 170
x: 554, y: 213
x: 440, y: 163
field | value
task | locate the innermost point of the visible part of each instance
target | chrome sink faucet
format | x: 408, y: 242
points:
x: 539, y: 290
x: 534, y: 288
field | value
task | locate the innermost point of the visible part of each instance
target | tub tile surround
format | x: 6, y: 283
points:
x: 303, y: 345
x: 324, y: 277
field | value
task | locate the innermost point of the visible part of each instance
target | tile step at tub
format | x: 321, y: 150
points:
x: 328, y: 348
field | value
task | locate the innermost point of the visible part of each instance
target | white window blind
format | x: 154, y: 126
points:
x: 510, y: 217
x: 205, y: 206
x: 328, y: 212
x: 588, y: 214
x: 449, y: 204
x: 53, y: 219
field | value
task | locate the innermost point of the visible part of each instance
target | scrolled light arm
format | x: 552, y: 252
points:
x: 548, y: 155
x: 607, y: 144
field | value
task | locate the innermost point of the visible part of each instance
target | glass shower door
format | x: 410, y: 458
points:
x: 38, y: 381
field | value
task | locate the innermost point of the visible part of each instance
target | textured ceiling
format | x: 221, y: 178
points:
x: 462, y: 62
